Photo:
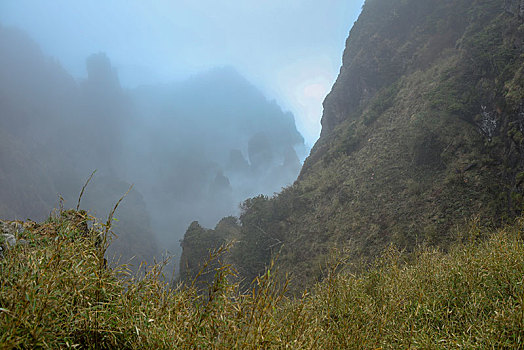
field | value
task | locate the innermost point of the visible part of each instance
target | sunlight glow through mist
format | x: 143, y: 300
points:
x: 281, y: 46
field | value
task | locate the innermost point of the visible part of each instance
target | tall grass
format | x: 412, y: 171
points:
x: 57, y: 292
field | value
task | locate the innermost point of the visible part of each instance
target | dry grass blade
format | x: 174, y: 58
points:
x: 112, y: 213
x: 83, y: 189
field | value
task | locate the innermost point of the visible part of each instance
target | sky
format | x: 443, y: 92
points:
x: 290, y: 49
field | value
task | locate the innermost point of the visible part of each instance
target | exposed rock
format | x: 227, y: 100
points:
x: 9, y: 240
x: 10, y: 227
x: 8, y: 230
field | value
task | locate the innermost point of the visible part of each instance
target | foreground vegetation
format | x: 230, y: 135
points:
x: 57, y: 292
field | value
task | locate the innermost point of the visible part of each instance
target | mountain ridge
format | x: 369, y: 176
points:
x: 421, y: 132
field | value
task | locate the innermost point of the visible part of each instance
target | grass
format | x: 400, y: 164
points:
x: 57, y: 292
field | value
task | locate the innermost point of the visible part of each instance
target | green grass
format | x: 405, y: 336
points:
x: 57, y: 293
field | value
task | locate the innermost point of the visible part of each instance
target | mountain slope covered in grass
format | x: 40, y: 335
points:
x: 422, y: 131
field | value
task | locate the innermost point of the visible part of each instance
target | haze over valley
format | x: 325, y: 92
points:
x: 400, y: 228
x: 193, y: 149
x: 182, y: 124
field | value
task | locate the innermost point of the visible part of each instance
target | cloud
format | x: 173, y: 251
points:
x: 159, y: 41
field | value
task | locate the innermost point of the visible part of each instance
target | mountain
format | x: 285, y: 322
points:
x: 423, y: 130
x: 198, y: 147
x: 192, y: 149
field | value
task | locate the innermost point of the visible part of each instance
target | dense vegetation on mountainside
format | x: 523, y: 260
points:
x: 422, y: 131
x: 56, y: 292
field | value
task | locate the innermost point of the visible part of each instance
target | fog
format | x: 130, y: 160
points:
x: 291, y: 49
x: 195, y: 140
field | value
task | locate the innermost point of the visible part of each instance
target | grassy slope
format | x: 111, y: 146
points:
x: 403, y: 156
x: 56, y: 293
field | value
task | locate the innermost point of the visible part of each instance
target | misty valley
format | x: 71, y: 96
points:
x: 190, y: 212
x: 194, y: 150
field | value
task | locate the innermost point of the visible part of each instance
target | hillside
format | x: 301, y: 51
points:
x: 56, y: 292
x: 403, y: 230
x: 422, y: 131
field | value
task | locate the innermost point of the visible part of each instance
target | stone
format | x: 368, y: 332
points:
x: 8, y: 239
x: 9, y: 230
x: 11, y: 227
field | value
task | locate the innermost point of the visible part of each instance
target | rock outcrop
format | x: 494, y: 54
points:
x: 9, y: 235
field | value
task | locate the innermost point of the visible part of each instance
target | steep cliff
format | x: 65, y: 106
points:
x: 422, y: 130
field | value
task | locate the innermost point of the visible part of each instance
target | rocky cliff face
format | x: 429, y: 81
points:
x: 422, y: 131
